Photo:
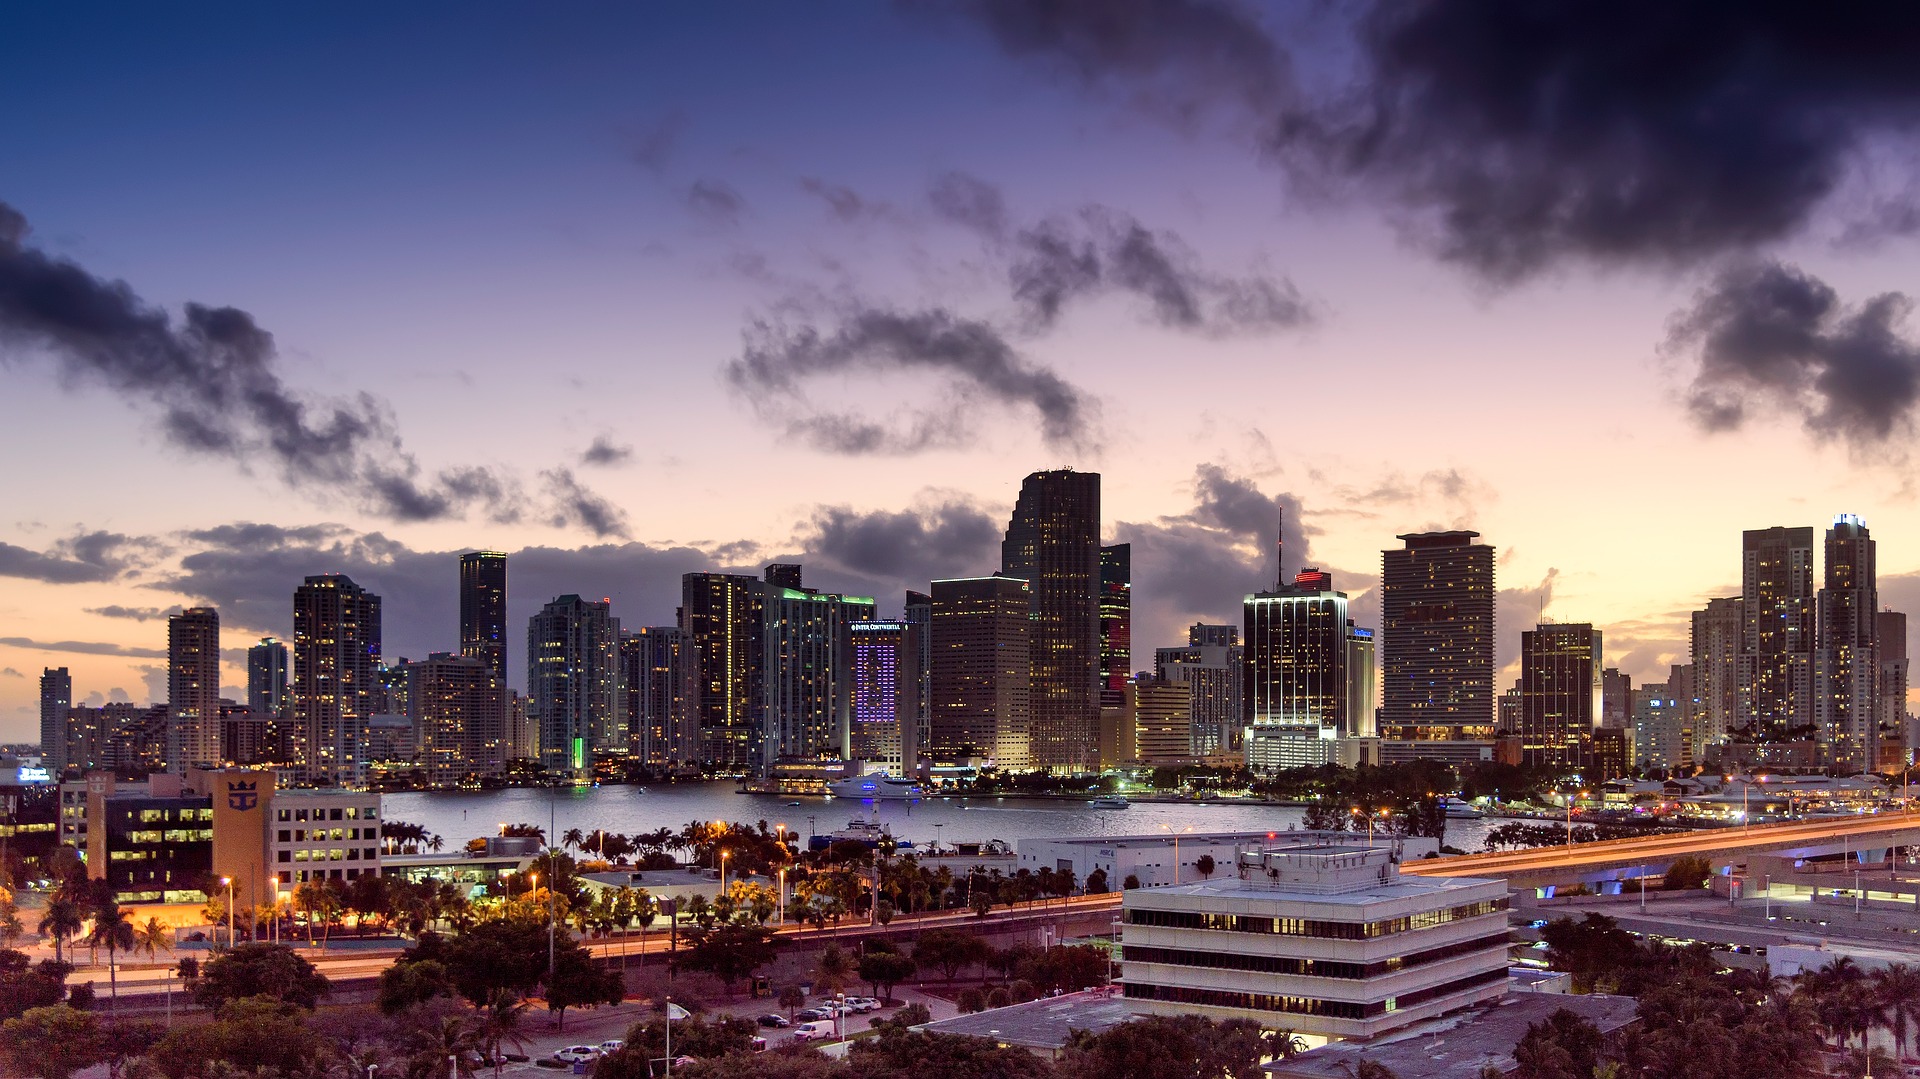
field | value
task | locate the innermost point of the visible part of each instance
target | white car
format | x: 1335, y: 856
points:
x: 574, y: 1054
x: 814, y: 1031
x: 611, y: 1045
x: 862, y: 1004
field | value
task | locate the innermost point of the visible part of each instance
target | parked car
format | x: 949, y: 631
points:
x: 574, y: 1054
x: 814, y: 1031
x: 774, y: 1021
x: 808, y: 1015
x: 612, y: 1045
x: 862, y: 1004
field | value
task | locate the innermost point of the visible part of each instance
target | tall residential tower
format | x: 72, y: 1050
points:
x: 1053, y: 543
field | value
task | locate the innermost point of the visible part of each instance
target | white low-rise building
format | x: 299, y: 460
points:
x: 328, y: 834
x: 1318, y: 939
x: 1177, y: 858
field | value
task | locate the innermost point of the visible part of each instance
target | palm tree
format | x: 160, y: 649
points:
x: 11, y: 927
x: 499, y: 1020
x: 571, y: 838
x: 445, y: 1035
x: 152, y: 937
x: 1898, y: 988
x: 1285, y: 1044
x: 112, y: 931
x: 62, y: 922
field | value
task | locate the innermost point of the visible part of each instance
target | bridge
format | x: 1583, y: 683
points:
x: 1865, y: 838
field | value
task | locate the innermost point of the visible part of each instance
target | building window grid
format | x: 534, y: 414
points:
x: 1313, y: 968
x: 1309, y: 927
x: 1299, y: 1005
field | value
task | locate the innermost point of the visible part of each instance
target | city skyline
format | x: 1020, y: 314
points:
x: 618, y: 282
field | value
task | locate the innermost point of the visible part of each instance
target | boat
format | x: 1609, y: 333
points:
x: 877, y: 785
x: 1110, y: 801
x: 868, y: 833
x: 1459, y: 810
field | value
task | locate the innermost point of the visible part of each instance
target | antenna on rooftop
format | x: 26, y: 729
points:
x: 1280, y: 551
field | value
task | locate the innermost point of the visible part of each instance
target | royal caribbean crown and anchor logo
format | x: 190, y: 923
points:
x: 242, y: 795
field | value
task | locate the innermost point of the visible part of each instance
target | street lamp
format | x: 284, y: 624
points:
x: 783, y: 895
x: 1383, y: 815
x: 723, y: 873
x: 228, y: 881
x: 1176, y: 847
x: 1571, y: 798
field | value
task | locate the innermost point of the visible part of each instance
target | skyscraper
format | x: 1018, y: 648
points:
x: 809, y: 668
x: 336, y: 651
x: 459, y: 714
x: 1779, y: 617
x: 1560, y: 695
x: 267, y: 681
x: 658, y: 665
x: 1211, y: 667
x: 919, y: 612
x: 1297, y: 691
x: 1890, y: 647
x: 886, y: 680
x: 193, y: 688
x: 1846, y: 667
x: 573, y: 684
x: 1436, y: 605
x: 982, y: 630
x: 56, y: 697
x: 1116, y: 622
x: 1053, y: 543
x: 1716, y: 642
x: 724, y: 615
x: 483, y: 610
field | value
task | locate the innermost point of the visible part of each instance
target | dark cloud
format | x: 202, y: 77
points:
x: 134, y: 614
x: 83, y: 558
x: 970, y: 202
x: 653, y: 149
x: 1770, y: 337
x: 716, y: 201
x: 1516, y: 610
x: 844, y: 203
x: 215, y: 380
x: 575, y: 506
x: 605, y: 451
x: 85, y: 648
x: 9, y: 672
x: 976, y: 362
x: 1515, y: 136
x: 945, y: 539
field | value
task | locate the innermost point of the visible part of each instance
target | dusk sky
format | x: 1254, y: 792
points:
x: 633, y: 290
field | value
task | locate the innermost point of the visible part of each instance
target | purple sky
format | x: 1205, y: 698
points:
x: 824, y: 282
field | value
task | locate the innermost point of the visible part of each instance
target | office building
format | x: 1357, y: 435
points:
x: 269, y: 690
x: 808, y: 669
x: 1616, y: 699
x: 246, y: 736
x: 982, y: 631
x: 457, y: 712
x: 1662, y: 737
x: 151, y: 842
x: 1162, y: 721
x: 193, y: 688
x: 56, y: 697
x: 886, y: 687
x: 1298, y: 683
x: 322, y: 834
x: 724, y: 615
x: 1716, y: 639
x: 1890, y: 647
x: 483, y: 610
x: 919, y: 612
x: 658, y: 668
x: 1116, y: 621
x: 1320, y: 939
x: 1846, y: 665
x: 1211, y: 667
x: 1779, y: 619
x: 1560, y: 695
x: 1436, y: 650
x: 573, y: 684
x: 1362, y: 683
x: 336, y: 652
x: 1053, y: 543
x: 523, y: 735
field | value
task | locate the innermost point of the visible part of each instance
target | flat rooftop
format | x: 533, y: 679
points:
x: 1165, y: 839
x: 1397, y: 887
x: 1457, y: 1046
x: 1043, y: 1024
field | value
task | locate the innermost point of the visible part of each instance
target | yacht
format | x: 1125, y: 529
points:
x: 1459, y: 810
x: 1110, y: 801
x: 878, y: 785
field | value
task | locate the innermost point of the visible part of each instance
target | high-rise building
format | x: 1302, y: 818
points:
x: 1116, y: 621
x: 1716, y: 640
x: 1162, y: 721
x: 658, y: 670
x: 1616, y: 699
x: 573, y: 684
x: 1437, y: 610
x: 458, y: 709
x: 886, y: 680
x: 1662, y: 714
x: 483, y: 610
x: 1053, y: 543
x: 809, y: 668
x: 982, y: 631
x: 1362, y: 684
x: 336, y: 653
x: 1779, y: 617
x: 193, y: 688
x: 1211, y: 666
x: 1890, y: 646
x: 268, y: 692
x: 1560, y: 695
x: 1846, y: 666
x: 724, y: 615
x: 56, y: 697
x: 919, y: 612
x: 1297, y: 684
